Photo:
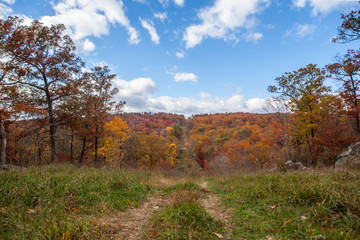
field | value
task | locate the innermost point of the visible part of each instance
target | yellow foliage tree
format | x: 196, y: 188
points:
x: 117, y: 133
x: 172, y: 152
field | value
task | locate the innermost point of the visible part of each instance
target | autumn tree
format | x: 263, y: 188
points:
x: 346, y: 71
x: 99, y: 101
x: 304, y: 89
x: 349, y: 29
x: 117, y: 134
x: 280, y: 109
x: 46, y: 60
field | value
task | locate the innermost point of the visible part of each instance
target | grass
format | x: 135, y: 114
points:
x: 185, y: 218
x: 65, y: 202
x: 191, y: 187
x: 62, y: 202
x: 294, y: 205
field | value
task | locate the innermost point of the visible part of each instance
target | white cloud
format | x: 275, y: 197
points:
x: 85, y: 18
x: 299, y: 3
x: 223, y: 19
x: 149, y: 25
x: 300, y: 31
x: 161, y: 16
x: 180, y: 55
x: 87, y: 45
x: 5, y: 11
x: 321, y: 6
x: 186, y: 77
x: 179, y: 3
x: 134, y: 36
x: 139, y: 1
x: 10, y: 2
x: 253, y: 37
x: 139, y: 97
x: 135, y: 92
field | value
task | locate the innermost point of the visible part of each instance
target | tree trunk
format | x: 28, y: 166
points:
x: 72, y: 146
x: 96, y: 146
x: 50, y: 111
x: 3, y: 143
x: 83, y: 150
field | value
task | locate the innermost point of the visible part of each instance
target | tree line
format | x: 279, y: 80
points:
x: 55, y: 110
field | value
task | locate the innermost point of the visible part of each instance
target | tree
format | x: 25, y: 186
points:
x: 346, y: 70
x: 282, y: 124
x: 304, y: 89
x: 117, y: 135
x: 46, y: 60
x: 99, y: 101
x: 349, y: 29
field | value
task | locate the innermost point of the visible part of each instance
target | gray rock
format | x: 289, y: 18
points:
x: 289, y: 162
x: 298, y: 165
x: 273, y: 169
x: 350, y: 157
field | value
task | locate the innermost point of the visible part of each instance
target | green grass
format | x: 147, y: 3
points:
x: 187, y: 186
x: 62, y: 201
x: 65, y: 202
x: 185, y: 218
x: 294, y: 205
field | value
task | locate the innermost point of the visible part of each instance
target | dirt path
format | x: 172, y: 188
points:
x: 130, y: 225
x: 212, y: 205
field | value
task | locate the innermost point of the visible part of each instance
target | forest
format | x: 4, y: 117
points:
x: 54, y: 109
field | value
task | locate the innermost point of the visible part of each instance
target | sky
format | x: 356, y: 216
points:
x: 195, y: 56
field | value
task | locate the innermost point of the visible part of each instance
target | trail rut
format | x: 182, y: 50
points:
x: 212, y: 204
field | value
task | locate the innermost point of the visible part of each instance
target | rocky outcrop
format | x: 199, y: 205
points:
x: 350, y: 157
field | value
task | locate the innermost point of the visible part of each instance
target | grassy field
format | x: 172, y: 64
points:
x: 65, y: 202
x: 62, y: 201
x: 297, y: 205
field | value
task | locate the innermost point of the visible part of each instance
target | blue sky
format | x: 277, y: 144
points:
x: 195, y: 56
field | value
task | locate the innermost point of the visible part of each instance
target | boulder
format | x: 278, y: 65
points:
x: 294, y: 165
x: 350, y: 157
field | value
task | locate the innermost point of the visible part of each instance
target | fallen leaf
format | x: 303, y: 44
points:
x: 31, y: 211
x: 218, y: 235
x: 274, y: 207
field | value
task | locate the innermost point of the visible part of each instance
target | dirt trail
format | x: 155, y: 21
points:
x: 132, y: 224
x: 212, y: 205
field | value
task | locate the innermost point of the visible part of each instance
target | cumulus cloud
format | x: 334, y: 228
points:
x: 85, y: 18
x: 149, y: 25
x: 161, y: 16
x: 139, y: 97
x: 321, y: 6
x: 180, y: 55
x: 87, y: 45
x: 186, y: 77
x: 300, y: 31
x: 135, y: 92
x: 223, y: 19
